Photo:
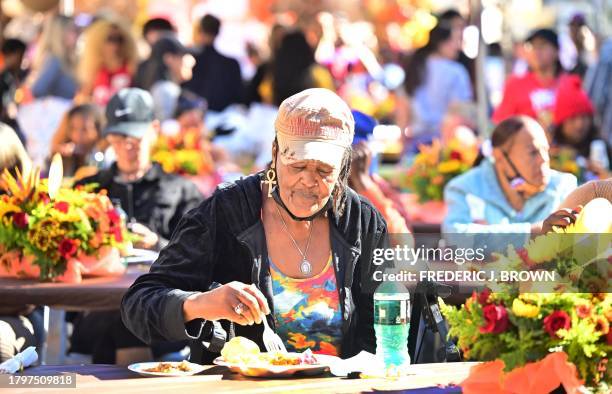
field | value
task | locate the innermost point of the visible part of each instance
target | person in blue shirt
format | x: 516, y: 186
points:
x: 53, y: 70
x: 512, y: 191
x: 435, y: 80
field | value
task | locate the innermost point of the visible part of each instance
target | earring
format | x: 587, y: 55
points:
x: 270, y: 180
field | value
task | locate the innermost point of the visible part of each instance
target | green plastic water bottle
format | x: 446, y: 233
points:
x: 391, y: 324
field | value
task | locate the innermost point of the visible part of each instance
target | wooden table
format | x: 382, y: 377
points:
x: 103, y: 293
x: 110, y: 378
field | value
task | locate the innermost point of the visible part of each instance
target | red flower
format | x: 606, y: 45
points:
x: 44, y: 197
x: 61, y: 206
x: 483, y: 297
x: 556, y: 321
x: 583, y: 311
x: 609, y: 338
x: 496, y: 319
x: 116, y: 231
x: 21, y: 220
x: 67, y: 248
x: 455, y: 155
x: 113, y: 216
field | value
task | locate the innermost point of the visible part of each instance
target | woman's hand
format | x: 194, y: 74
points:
x: 561, y: 218
x: 221, y: 303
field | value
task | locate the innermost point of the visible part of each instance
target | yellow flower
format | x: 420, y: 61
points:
x: 447, y: 167
x: 571, y: 167
x: 544, y: 248
x: 7, y: 207
x: 522, y: 309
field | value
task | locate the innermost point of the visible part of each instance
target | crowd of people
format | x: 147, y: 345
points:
x: 86, y: 95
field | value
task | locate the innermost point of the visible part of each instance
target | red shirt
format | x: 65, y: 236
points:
x: 528, y: 95
x: 107, y: 83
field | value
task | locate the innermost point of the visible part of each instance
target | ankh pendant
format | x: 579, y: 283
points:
x: 270, y: 181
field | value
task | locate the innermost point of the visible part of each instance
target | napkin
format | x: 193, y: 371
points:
x: 21, y: 360
x: 359, y: 363
x: 370, y: 366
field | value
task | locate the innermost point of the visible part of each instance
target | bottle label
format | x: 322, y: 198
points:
x: 390, y: 312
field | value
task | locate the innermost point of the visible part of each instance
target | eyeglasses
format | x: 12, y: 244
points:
x: 115, y: 39
x: 116, y: 139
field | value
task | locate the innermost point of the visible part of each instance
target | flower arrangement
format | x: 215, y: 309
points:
x: 435, y: 165
x: 520, y: 327
x: 184, y: 153
x: 44, y: 229
x: 565, y: 159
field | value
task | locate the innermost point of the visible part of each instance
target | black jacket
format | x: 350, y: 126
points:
x: 158, y: 199
x: 223, y: 240
x: 217, y: 78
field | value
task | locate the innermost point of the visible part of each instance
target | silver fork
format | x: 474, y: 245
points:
x: 271, y: 340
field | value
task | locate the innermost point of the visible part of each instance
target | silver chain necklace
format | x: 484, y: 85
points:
x: 305, y: 265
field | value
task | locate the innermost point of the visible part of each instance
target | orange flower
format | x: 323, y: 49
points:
x: 601, y: 325
x: 583, y: 311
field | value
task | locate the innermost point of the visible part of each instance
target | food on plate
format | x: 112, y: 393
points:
x: 183, y: 366
x: 240, y: 350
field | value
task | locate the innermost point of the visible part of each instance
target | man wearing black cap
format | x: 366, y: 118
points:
x: 216, y: 77
x: 153, y: 200
x: 533, y: 94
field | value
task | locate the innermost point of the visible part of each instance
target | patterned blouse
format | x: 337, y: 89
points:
x: 307, y: 311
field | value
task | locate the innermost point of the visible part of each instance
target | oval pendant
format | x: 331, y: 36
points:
x: 305, y: 267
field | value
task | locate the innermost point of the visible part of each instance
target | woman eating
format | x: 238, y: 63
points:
x: 292, y: 245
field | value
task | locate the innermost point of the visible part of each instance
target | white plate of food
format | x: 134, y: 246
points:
x: 242, y: 356
x: 167, y: 368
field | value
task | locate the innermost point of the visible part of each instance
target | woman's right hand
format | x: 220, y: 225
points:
x: 221, y: 303
x: 561, y: 218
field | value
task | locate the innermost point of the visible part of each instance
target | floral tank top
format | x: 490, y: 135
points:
x: 307, y: 311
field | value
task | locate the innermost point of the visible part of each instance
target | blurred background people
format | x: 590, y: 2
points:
x: 53, y: 71
x: 155, y: 28
x: 79, y: 140
x: 295, y: 68
x: 597, y: 85
x: 108, y: 60
x: 533, y: 94
x: 259, y: 87
x: 434, y: 79
x: 574, y: 127
x: 153, y: 200
x: 168, y: 66
x: 12, y: 76
x: 215, y: 77
x: 152, y: 30
x: 50, y: 87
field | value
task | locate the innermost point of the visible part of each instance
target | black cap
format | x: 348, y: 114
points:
x: 129, y: 112
x: 167, y: 44
x: 188, y: 101
x: 548, y: 35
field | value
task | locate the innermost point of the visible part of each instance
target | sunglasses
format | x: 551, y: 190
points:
x: 115, y: 39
